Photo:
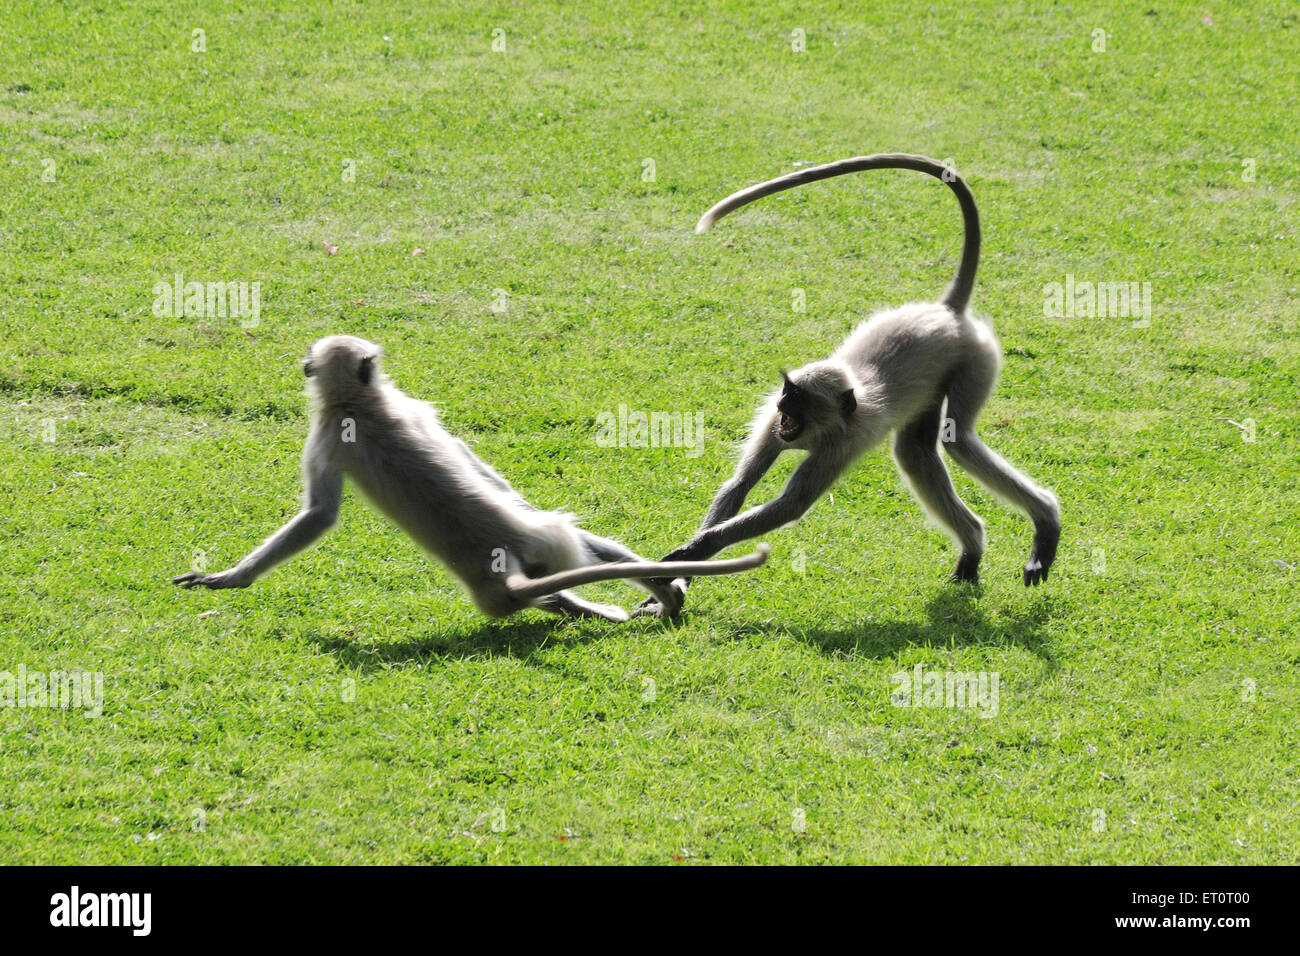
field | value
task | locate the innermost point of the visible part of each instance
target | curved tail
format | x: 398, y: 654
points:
x: 957, y: 296
x: 524, y: 587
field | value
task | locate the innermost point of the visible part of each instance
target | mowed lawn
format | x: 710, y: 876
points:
x: 354, y: 707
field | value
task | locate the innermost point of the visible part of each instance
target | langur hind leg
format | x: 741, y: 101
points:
x: 568, y: 603
x: 966, y: 394
x: 917, y: 455
x: 666, y: 597
x: 560, y: 602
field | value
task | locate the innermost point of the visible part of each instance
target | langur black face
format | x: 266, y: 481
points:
x: 793, y: 409
x: 814, y: 400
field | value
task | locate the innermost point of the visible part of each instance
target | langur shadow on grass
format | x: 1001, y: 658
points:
x: 955, y: 617
x: 518, y: 637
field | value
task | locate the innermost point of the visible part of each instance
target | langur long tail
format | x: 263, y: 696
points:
x: 958, y: 294
x: 522, y: 586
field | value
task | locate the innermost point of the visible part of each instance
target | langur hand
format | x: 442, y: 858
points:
x: 222, y: 579
x: 653, y: 607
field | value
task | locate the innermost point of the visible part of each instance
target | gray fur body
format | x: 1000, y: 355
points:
x: 409, y: 464
x: 453, y: 504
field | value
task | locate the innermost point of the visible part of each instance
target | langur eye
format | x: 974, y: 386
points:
x: 306, y: 368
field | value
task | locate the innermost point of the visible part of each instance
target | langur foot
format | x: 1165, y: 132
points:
x: 1043, y: 553
x: 608, y: 612
x: 967, y: 570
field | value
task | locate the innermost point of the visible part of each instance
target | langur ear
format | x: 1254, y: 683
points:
x: 366, y: 369
x: 786, y: 384
x: 848, y: 402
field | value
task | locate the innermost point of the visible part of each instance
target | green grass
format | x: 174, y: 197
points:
x: 353, y: 707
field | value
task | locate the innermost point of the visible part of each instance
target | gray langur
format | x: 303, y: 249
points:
x: 918, y: 370
x: 509, y: 554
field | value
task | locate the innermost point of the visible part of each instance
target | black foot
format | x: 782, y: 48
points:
x: 1043, y: 553
x: 968, y: 568
x: 653, y: 607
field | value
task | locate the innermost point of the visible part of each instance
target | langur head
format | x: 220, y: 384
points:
x: 816, y: 401
x: 339, y: 367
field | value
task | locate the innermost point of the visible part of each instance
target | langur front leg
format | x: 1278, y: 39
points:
x: 759, y: 454
x: 324, y: 494
x: 810, y: 481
